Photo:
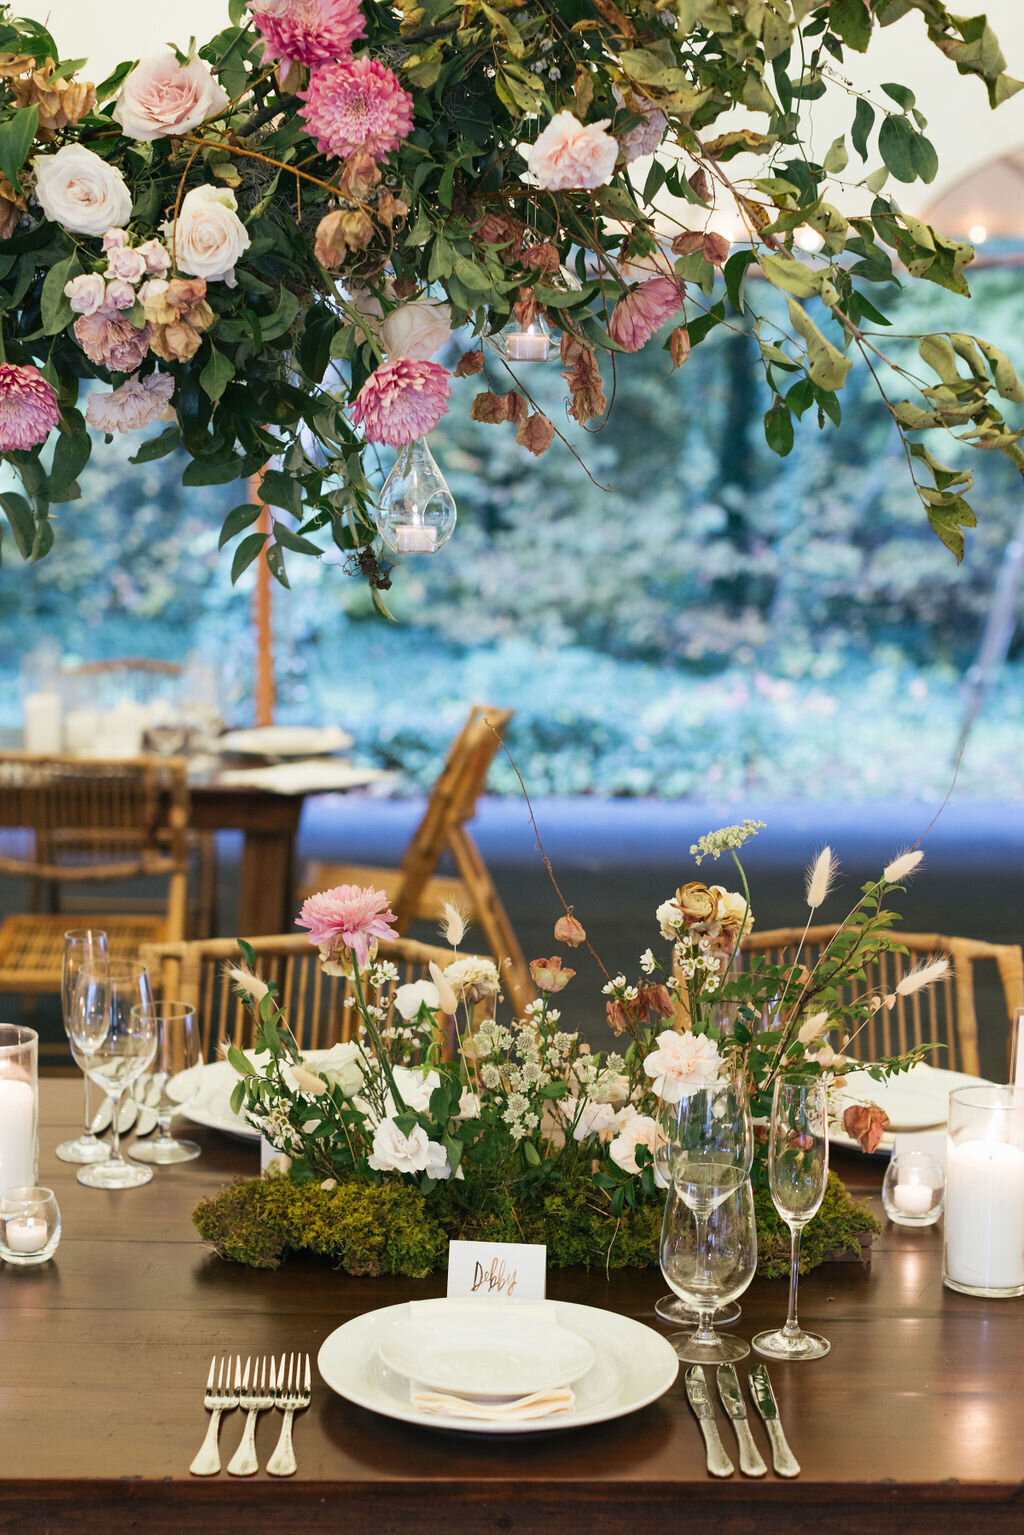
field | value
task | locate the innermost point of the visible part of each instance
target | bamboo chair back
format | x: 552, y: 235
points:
x: 320, y: 1008
x: 943, y: 1013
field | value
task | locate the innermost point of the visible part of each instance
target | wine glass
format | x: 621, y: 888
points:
x: 82, y: 945
x: 709, y: 1255
x: 177, y: 1049
x: 113, y: 1040
x: 797, y: 1173
x: 710, y: 1128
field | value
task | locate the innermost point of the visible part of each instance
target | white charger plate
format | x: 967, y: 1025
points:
x: 633, y: 1366
x: 917, y: 1099
x: 286, y: 741
x: 485, y: 1351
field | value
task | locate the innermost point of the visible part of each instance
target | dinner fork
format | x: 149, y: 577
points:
x: 218, y: 1398
x: 244, y: 1462
x: 290, y: 1400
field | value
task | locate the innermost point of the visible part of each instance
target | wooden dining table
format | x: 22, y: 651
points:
x: 912, y: 1424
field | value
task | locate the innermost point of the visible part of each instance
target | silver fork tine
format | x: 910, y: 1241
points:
x: 209, y: 1378
x: 309, y: 1378
x: 216, y: 1401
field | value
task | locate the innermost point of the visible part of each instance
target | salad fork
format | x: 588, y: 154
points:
x: 217, y: 1399
x: 258, y: 1399
x: 291, y: 1399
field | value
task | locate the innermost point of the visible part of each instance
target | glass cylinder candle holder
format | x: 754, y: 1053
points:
x: 19, y: 1106
x: 984, y: 1248
x: 29, y: 1226
x: 914, y: 1189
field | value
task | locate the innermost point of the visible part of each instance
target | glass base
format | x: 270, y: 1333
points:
x: 166, y: 1152
x: 84, y: 1149
x: 980, y: 1290
x: 671, y: 1309
x: 691, y: 1350
x: 791, y: 1345
x: 115, y: 1174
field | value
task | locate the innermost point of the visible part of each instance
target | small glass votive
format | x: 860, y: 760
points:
x: 29, y: 1225
x: 914, y: 1189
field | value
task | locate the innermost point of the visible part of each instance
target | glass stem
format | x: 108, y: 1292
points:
x: 87, y: 1134
x: 792, y: 1325
x: 705, y: 1327
x: 115, y: 1133
x: 163, y: 1132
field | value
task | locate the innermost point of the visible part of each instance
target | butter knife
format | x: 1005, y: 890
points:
x: 786, y: 1463
x: 751, y: 1461
x: 697, y: 1394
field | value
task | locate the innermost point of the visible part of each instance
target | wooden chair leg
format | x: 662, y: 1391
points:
x: 493, y: 918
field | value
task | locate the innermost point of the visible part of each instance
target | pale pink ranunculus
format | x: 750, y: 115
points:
x: 113, y: 238
x: 87, y: 293
x: 162, y: 97
x: 402, y: 400
x: 28, y: 407
x: 681, y: 1062
x: 120, y: 294
x: 352, y: 916
x: 156, y: 256
x: 80, y: 191
x: 638, y: 1130
x: 417, y: 330
x: 111, y: 340
x: 570, y: 154
x: 209, y: 237
x: 137, y: 404
x: 128, y: 264
x: 644, y: 310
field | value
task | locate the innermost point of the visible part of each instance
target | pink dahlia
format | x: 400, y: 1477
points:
x: 357, y: 104
x: 310, y: 31
x: 354, y: 916
x: 402, y: 400
x: 643, y: 311
x: 28, y: 407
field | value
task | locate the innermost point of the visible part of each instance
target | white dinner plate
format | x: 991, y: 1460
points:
x: 208, y: 1089
x: 633, y: 1366
x: 917, y: 1099
x: 485, y: 1351
x: 286, y: 741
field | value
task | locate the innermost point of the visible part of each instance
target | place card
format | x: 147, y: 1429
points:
x: 497, y: 1270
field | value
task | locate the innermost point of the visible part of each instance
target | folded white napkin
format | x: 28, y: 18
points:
x: 540, y: 1404
x: 319, y: 775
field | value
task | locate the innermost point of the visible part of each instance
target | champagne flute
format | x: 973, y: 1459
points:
x: 113, y: 1039
x: 708, y: 1135
x: 82, y: 945
x: 177, y: 1050
x: 797, y: 1173
x: 709, y: 1255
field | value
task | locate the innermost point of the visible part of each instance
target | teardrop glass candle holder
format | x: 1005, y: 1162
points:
x: 415, y: 511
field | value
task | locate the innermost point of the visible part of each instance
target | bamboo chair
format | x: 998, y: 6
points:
x: 415, y: 891
x: 944, y: 1012
x: 315, y: 1003
x: 86, y: 825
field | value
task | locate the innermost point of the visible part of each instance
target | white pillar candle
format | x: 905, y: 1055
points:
x: 25, y: 1233
x: 527, y: 346
x: 414, y: 538
x: 985, y: 1214
x: 42, y: 722
x: 17, y: 1134
x: 80, y: 729
x: 912, y: 1198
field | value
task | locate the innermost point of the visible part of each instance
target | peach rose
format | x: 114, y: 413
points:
x: 570, y: 154
x: 696, y: 902
x: 162, y: 97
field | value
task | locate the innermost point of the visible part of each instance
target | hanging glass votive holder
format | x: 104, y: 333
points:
x: 415, y: 511
x: 533, y: 342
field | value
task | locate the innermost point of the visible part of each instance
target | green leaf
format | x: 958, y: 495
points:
x: 16, y: 136
x: 280, y: 489
x: 837, y: 158
x: 239, y: 517
x: 531, y: 1153
x: 237, y: 1098
x: 863, y: 122
x: 948, y: 519
x: 790, y: 275
x: 55, y: 310
x: 70, y: 457
x: 208, y: 471
x: 275, y: 564
x: 895, y: 140
x: 246, y: 552
x: 281, y: 320
x: 289, y: 540
x: 217, y: 374
x: 1007, y: 383
x: 241, y: 1064
x: 924, y: 158
x: 826, y: 365
x: 901, y: 94
x: 778, y: 428
x: 851, y: 20
x: 23, y: 526
x: 159, y: 446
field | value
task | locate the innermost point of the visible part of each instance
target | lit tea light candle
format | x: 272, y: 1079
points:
x: 26, y: 1234
x: 414, y: 538
x: 527, y: 346
x: 985, y: 1214
x: 912, y: 1198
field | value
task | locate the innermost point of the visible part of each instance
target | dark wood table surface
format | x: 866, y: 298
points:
x: 913, y: 1422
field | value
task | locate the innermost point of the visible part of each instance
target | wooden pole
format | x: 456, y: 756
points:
x: 264, y: 693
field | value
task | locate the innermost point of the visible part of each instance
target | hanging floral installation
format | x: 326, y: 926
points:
x: 268, y: 242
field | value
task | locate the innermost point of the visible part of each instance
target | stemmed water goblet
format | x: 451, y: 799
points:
x: 82, y: 946
x: 709, y: 1255
x: 798, y: 1174
x: 177, y: 1051
x: 113, y: 1039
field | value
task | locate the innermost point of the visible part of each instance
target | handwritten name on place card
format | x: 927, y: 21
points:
x: 513, y: 1270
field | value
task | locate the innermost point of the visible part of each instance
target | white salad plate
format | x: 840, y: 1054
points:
x: 917, y: 1099
x: 286, y: 741
x: 205, y: 1093
x: 632, y: 1366
x: 485, y: 1351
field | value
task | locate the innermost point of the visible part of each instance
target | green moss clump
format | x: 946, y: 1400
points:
x: 835, y: 1230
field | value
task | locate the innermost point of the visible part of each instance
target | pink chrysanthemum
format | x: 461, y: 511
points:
x: 354, y: 916
x: 643, y: 311
x: 28, y: 407
x: 311, y: 31
x: 357, y: 104
x: 402, y: 400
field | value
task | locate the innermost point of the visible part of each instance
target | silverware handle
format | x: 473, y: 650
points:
x: 786, y: 1463
x: 207, y: 1462
x: 282, y: 1462
x: 244, y: 1461
x: 751, y: 1459
x: 719, y: 1463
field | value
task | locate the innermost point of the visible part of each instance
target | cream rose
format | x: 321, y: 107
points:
x: 87, y: 293
x: 210, y: 237
x: 417, y: 330
x: 570, y: 154
x: 343, y: 1067
x: 410, y: 997
x: 162, y: 97
x: 696, y: 902
x: 732, y: 912
x: 394, y: 1152
x: 81, y: 192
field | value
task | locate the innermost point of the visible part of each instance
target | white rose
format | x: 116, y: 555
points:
x: 87, y: 293
x: 437, y: 1164
x: 162, y: 97
x: 81, y: 192
x: 417, y: 330
x: 469, y: 1105
x: 343, y: 1067
x: 210, y: 237
x: 398, y: 1153
x: 410, y: 997
x: 415, y: 1088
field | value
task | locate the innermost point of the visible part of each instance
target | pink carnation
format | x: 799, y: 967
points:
x: 357, y: 104
x: 28, y: 407
x: 311, y: 31
x: 571, y: 154
x: 643, y: 311
x: 402, y: 400
x: 354, y: 916
x: 111, y: 340
x: 136, y: 404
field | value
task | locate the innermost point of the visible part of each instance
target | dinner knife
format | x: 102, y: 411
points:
x: 751, y: 1460
x: 786, y: 1463
x: 719, y: 1463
